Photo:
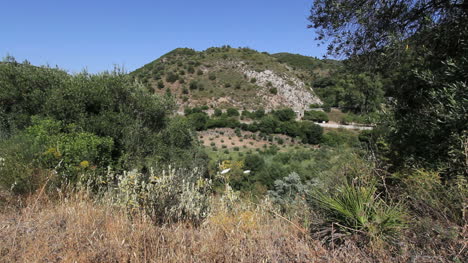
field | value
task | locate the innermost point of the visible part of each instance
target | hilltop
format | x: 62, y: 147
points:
x: 222, y: 77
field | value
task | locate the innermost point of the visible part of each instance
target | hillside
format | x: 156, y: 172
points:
x: 242, y: 78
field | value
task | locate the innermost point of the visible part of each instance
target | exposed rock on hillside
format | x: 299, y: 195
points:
x: 228, y: 77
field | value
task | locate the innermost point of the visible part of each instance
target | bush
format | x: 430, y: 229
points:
x: 280, y: 140
x: 172, y: 77
x: 360, y: 209
x: 212, y: 77
x: 91, y: 107
x: 311, y: 133
x: 193, y: 85
x: 340, y: 137
x: 288, y: 189
x: 198, y: 120
x: 160, y: 85
x: 254, y: 162
x: 190, y: 70
x: 199, y: 72
x: 170, y: 196
x: 48, y: 144
x: 317, y: 116
x: 285, y: 114
x: 231, y: 112
x: 273, y: 91
x: 238, y: 133
x: 217, y: 112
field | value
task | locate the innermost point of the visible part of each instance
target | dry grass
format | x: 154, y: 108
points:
x: 79, y: 229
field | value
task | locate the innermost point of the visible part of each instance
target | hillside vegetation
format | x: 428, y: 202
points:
x: 96, y: 166
x: 242, y: 78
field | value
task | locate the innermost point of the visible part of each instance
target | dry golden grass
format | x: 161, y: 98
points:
x: 78, y: 229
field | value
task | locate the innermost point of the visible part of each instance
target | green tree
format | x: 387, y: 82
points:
x: 311, y: 133
x: 362, y: 93
x: 232, y: 112
x: 198, y: 120
x: 285, y: 114
x: 421, y: 45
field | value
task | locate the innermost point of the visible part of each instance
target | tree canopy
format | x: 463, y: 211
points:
x: 421, y: 46
x: 359, y: 26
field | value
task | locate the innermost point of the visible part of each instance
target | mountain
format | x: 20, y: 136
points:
x: 222, y: 77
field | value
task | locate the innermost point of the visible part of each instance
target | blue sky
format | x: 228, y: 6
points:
x: 99, y: 34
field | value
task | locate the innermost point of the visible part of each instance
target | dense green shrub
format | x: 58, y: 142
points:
x: 193, y: 85
x: 217, y: 112
x: 311, y: 133
x: 284, y: 114
x: 160, y: 85
x: 172, y: 77
x: 222, y: 123
x: 90, y: 108
x: 48, y: 144
x: 231, y: 112
x: 340, y: 137
x: 198, y: 120
x: 317, y: 116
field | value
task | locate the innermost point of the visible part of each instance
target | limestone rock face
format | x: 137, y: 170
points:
x: 291, y: 91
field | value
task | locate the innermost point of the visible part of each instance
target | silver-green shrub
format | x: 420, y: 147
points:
x: 169, y: 196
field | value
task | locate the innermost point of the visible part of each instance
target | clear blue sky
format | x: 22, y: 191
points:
x: 98, y: 34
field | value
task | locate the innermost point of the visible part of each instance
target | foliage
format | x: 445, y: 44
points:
x: 170, y: 196
x: 360, y: 209
x: 429, y: 196
x: 104, y: 111
x: 340, y: 137
x: 359, y: 27
x: 48, y: 144
x: 284, y: 114
x: 231, y: 112
x: 198, y: 120
x: 172, y: 77
x: 288, y: 189
x: 311, y: 133
x: 425, y: 60
x: 362, y: 93
x: 430, y: 119
x: 317, y: 116
x: 217, y: 112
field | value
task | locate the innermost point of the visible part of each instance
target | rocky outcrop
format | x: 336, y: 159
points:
x: 291, y: 91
